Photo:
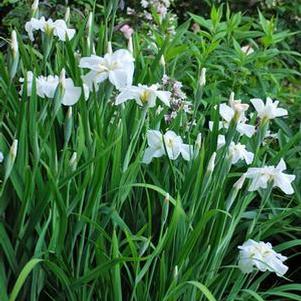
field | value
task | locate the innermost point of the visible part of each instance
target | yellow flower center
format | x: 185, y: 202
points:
x: 144, y: 96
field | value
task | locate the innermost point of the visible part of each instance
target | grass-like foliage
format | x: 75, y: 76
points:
x: 130, y: 171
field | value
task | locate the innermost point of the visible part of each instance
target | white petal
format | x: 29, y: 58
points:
x: 92, y: 62
x: 148, y: 155
x: 259, y: 181
x: 119, y: 78
x: 258, y: 104
x: 86, y: 91
x: 226, y: 112
x: 221, y: 141
x: 154, y: 138
x: 283, y: 181
x: 280, y: 112
x: 126, y: 94
x: 187, y: 151
x: 281, y: 165
x: 71, y: 94
x: 248, y: 157
x: 246, y: 129
x: 164, y: 96
x: 151, y: 153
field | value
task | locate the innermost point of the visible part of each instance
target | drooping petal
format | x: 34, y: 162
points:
x: 148, y: 155
x: 119, y: 78
x: 186, y: 151
x: 259, y: 181
x: 151, y: 153
x: 248, y: 156
x: 71, y: 94
x: 246, y: 129
x: 126, y: 94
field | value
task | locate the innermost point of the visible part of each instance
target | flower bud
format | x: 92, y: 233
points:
x: 1, y: 157
x: 198, y: 141
x: 11, y: 158
x: 240, y: 182
x: 211, y: 163
x: 165, y: 209
x: 130, y: 45
x: 68, y: 125
x: 231, y: 98
x: 67, y: 14
x: 109, y: 47
x: 162, y: 61
x: 73, y: 161
x: 63, y: 78
x: 176, y: 273
x: 14, y: 44
x: 34, y: 7
x: 90, y: 22
x: 13, y: 150
x: 202, y: 80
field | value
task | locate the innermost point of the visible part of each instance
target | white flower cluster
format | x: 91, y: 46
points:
x: 236, y: 152
x: 143, y: 95
x: 169, y: 143
x: 261, y: 256
x: 46, y: 87
x: 118, y: 67
x: 58, y: 28
x: 261, y: 176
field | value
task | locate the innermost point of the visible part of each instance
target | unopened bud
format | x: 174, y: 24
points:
x: 88, y: 43
x: 63, y: 77
x: 211, y: 163
x: 144, y: 247
x: 73, y: 161
x: 93, y: 49
x: 90, y: 22
x: 67, y: 14
x: 162, y: 60
x: 35, y: 8
x: 231, y: 98
x: 13, y: 149
x: 165, y: 208
x: 130, y: 45
x: 68, y: 125
x: 11, y: 158
x: 14, y: 43
x: 35, y: 5
x: 176, y: 273
x: 1, y: 157
x: 198, y: 141
x: 240, y: 182
x: 202, y: 80
x: 110, y: 50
